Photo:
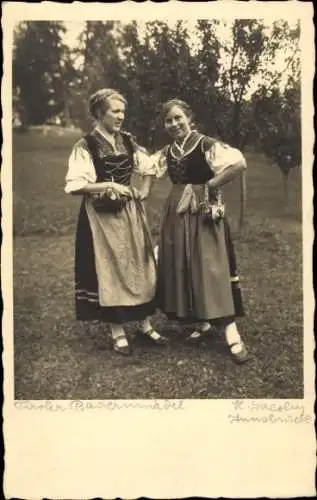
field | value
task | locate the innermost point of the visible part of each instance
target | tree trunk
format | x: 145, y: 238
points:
x: 285, y: 188
x: 235, y: 127
x: 24, y: 125
x: 67, y: 119
x: 243, y: 199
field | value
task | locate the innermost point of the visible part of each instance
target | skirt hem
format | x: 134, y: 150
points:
x: 212, y: 321
x: 116, y: 314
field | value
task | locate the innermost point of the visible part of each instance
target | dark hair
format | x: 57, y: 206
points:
x: 168, y: 105
x: 99, y: 101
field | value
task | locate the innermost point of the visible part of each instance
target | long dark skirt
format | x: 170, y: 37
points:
x: 197, y: 272
x: 87, y: 303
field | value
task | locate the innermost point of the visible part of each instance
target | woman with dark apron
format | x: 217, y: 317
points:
x: 115, y: 272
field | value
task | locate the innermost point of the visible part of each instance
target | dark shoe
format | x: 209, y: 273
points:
x: 197, y: 336
x: 120, y: 346
x: 152, y: 335
x: 241, y: 356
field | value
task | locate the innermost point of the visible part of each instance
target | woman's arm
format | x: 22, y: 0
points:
x: 225, y: 162
x: 227, y: 175
x: 149, y: 167
x: 100, y: 187
x: 81, y: 171
x: 146, y: 186
x: 81, y: 175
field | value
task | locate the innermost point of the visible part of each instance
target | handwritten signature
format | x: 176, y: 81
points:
x: 268, y: 413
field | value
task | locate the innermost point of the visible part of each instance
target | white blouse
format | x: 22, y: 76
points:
x: 219, y: 157
x: 81, y: 170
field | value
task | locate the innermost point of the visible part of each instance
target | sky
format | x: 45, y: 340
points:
x: 73, y: 31
x: 75, y: 28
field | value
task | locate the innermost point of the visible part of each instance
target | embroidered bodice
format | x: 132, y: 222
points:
x: 189, y: 166
x: 112, y: 164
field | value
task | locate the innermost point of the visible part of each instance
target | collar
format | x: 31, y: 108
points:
x: 181, y: 146
x: 189, y: 143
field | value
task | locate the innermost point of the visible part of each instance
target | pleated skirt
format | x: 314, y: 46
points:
x: 115, y: 272
x: 197, y: 273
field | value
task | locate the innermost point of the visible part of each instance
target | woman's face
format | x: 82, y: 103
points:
x: 177, y: 123
x: 113, y: 118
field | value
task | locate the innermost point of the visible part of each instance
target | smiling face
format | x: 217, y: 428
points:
x: 177, y: 123
x: 113, y: 117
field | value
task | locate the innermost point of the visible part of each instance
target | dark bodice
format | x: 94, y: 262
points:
x: 191, y: 167
x: 109, y: 165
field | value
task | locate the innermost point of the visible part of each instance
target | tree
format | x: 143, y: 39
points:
x: 279, y: 128
x: 38, y: 70
x: 244, y: 59
x: 204, y: 76
x: 277, y: 107
x: 159, y: 66
x: 242, y: 56
x: 101, y: 67
x: 252, y: 62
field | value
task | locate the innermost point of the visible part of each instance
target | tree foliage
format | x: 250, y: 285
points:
x: 277, y: 108
x: 100, y: 67
x: 162, y: 66
x: 278, y: 125
x: 39, y: 70
x: 233, y: 83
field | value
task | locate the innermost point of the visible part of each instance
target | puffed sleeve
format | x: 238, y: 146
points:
x: 160, y: 162
x: 143, y: 164
x: 81, y: 169
x: 221, y: 156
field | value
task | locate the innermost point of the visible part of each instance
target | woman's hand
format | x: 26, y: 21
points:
x: 144, y: 190
x: 143, y: 194
x: 107, y: 187
x: 140, y: 194
x: 119, y: 189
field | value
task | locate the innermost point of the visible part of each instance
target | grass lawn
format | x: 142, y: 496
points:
x: 59, y: 358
